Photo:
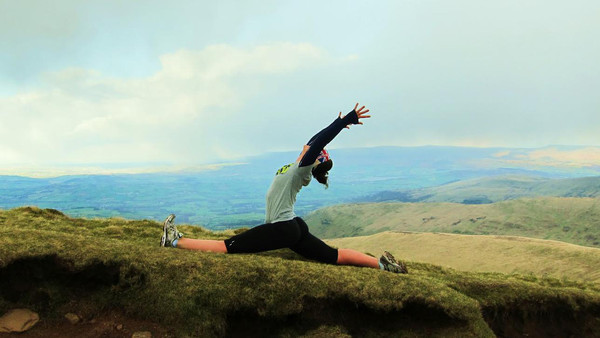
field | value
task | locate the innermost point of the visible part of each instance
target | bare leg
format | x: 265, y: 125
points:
x: 202, y: 245
x: 353, y: 257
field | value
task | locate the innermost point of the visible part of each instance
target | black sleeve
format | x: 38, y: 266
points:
x: 312, y: 139
x: 322, y: 138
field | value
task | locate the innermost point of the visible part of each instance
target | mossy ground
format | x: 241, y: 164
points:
x: 49, y: 261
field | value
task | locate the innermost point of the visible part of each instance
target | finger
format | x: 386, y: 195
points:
x: 364, y: 117
x: 360, y: 123
x: 356, y: 106
x: 340, y: 116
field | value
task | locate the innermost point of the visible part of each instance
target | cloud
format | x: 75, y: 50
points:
x: 223, y: 61
x: 180, y: 113
x: 503, y: 74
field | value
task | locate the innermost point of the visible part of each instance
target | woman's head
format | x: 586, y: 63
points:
x: 321, y: 171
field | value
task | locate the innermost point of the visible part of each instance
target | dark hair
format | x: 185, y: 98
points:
x: 321, y: 172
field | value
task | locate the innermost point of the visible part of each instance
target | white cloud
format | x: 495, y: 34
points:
x: 224, y: 61
x: 83, y: 116
x: 478, y: 73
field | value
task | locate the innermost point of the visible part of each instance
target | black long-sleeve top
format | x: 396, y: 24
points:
x: 322, y: 138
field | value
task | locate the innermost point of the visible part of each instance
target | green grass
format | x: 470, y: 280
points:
x: 52, y: 263
x: 482, y: 253
x: 572, y: 220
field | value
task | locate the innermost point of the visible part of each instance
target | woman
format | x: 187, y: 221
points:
x: 282, y: 229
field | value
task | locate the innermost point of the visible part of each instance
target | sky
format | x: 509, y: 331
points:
x: 180, y: 83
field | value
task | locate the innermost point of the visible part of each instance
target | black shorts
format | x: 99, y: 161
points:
x: 291, y: 234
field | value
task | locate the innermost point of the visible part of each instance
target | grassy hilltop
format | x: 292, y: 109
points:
x: 572, y: 220
x: 480, y: 253
x: 56, y: 264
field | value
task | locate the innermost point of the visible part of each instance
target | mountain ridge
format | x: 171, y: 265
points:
x: 493, y: 189
x: 231, y: 196
x: 569, y: 219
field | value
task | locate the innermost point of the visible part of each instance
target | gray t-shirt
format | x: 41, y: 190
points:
x: 281, y: 196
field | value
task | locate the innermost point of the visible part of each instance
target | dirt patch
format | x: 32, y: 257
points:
x: 111, y: 324
x: 534, y: 320
x: 47, y: 281
x: 350, y: 318
x: 54, y: 287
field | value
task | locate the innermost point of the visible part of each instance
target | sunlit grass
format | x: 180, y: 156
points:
x: 483, y: 253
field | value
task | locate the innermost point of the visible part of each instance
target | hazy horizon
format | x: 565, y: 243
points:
x: 559, y: 156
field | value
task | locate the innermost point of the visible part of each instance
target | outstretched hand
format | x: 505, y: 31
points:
x: 360, y: 112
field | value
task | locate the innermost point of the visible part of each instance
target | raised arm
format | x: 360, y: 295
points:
x: 322, y: 138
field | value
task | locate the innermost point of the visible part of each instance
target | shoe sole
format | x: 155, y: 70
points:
x: 168, y: 221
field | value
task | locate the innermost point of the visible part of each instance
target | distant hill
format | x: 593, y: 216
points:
x: 232, y: 195
x: 572, y: 220
x: 506, y: 254
x: 494, y: 189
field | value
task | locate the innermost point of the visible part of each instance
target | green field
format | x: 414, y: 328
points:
x: 572, y: 220
x: 52, y: 263
x: 480, y: 253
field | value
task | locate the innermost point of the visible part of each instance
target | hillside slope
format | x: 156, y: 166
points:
x: 495, y: 189
x: 480, y: 253
x: 572, y: 220
x: 51, y: 263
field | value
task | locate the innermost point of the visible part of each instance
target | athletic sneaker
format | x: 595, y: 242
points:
x: 390, y: 264
x: 170, y: 232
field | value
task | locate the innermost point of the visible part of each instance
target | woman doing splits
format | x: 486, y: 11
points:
x: 282, y: 228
